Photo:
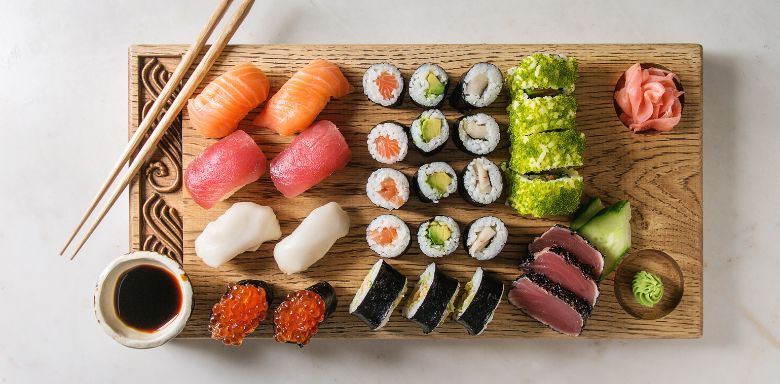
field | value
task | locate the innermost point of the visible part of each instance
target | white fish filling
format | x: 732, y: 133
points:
x: 479, y: 133
x: 418, y: 85
x: 428, y: 190
x: 374, y: 187
x: 486, y: 238
x: 483, y: 181
x: 416, y: 131
x: 438, y: 250
x: 482, y: 84
x: 371, y: 88
x: 391, y: 131
x: 399, y: 244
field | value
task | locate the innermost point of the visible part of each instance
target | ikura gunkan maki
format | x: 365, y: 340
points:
x: 298, y: 317
x: 430, y: 132
x: 477, y: 134
x: 428, y: 85
x: 438, y: 236
x: 388, y: 236
x: 485, y: 237
x: 432, y: 299
x: 240, y: 311
x: 479, y: 87
x: 384, y: 85
x: 479, y: 301
x: 387, y: 142
x: 381, y: 292
x: 388, y: 188
x: 481, y: 182
x: 435, y: 181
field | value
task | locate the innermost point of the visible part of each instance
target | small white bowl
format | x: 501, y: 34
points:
x: 105, y: 310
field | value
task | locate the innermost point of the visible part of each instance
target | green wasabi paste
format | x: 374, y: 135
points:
x: 647, y: 288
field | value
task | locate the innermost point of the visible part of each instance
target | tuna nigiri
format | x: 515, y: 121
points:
x: 224, y: 168
x: 217, y: 110
x: 314, y: 155
x: 295, y: 106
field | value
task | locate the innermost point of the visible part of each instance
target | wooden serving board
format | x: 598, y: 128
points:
x: 661, y: 174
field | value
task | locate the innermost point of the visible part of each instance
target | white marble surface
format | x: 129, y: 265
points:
x: 63, y: 102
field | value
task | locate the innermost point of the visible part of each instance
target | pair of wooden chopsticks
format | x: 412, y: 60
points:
x: 178, y: 104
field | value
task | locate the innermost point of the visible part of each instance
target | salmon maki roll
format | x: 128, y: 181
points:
x: 388, y: 236
x: 216, y: 111
x: 388, y: 143
x: 295, y: 106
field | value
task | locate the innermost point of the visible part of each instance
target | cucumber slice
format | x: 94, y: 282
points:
x: 584, y: 214
x: 610, y: 233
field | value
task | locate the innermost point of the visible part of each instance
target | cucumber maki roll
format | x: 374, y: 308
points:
x: 435, y: 181
x: 541, y: 114
x: 388, y: 236
x: 546, y: 151
x: 477, y: 134
x: 297, y: 318
x: 479, y: 301
x: 428, y: 85
x: 383, y: 84
x: 479, y: 87
x: 485, y: 237
x: 480, y: 182
x: 543, y: 195
x: 438, y: 236
x: 381, y: 292
x: 430, y: 132
x: 432, y: 299
x: 388, y: 188
x: 543, y: 74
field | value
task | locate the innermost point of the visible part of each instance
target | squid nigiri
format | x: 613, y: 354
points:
x: 295, y: 106
x: 312, y: 239
x: 217, y: 110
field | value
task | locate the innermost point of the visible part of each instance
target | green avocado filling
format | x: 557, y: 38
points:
x: 439, y: 181
x: 647, y: 288
x: 438, y: 233
x: 435, y: 86
x: 430, y: 129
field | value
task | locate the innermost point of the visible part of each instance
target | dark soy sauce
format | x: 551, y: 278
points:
x: 147, y: 297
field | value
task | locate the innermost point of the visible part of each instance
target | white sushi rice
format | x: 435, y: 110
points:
x: 495, y: 245
x: 401, y: 242
x: 468, y: 295
x: 374, y: 185
x: 371, y: 89
x: 471, y: 181
x: 426, y: 189
x: 418, y: 85
x: 438, y: 141
x: 423, y: 285
x: 393, y: 131
x: 432, y: 250
x: 490, y: 93
x: 479, y: 146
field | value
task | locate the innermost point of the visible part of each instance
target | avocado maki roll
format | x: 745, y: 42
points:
x: 485, y: 238
x: 382, y: 290
x: 480, y: 182
x: 435, y: 181
x: 388, y: 236
x: 383, y: 84
x: 438, y: 236
x: 543, y: 195
x: 546, y: 151
x: 432, y: 299
x: 479, y: 87
x: 529, y: 115
x: 430, y: 132
x: 543, y: 74
x: 477, y: 134
x: 428, y: 85
x: 479, y: 301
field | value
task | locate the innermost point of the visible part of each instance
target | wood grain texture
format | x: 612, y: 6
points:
x: 660, y: 173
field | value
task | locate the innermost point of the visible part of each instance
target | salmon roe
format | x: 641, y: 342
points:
x: 297, y: 318
x: 238, y: 313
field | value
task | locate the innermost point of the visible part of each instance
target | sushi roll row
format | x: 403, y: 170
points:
x: 434, y: 297
x: 389, y: 236
x: 479, y: 87
x: 544, y: 143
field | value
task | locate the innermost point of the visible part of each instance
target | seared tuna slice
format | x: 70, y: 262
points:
x: 563, y: 268
x: 572, y: 243
x: 549, y: 303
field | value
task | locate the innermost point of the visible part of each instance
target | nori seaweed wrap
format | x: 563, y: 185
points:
x: 479, y: 302
x: 381, y: 291
x: 432, y: 300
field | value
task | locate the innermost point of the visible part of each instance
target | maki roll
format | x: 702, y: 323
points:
x: 546, y: 151
x: 438, y: 236
x: 430, y: 132
x: 382, y: 290
x: 435, y: 181
x: 479, y: 87
x: 480, y: 182
x: 542, y: 195
x: 297, y: 318
x: 477, y: 134
x: 485, y: 237
x: 240, y: 310
x: 541, y: 114
x: 388, y: 143
x: 388, y: 188
x: 388, y: 236
x: 428, y: 85
x: 543, y: 74
x: 432, y: 299
x: 479, y: 301
x: 383, y: 84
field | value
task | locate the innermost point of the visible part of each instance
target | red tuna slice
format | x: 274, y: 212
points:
x: 224, y: 168
x: 549, y: 304
x: 560, y: 267
x: 314, y: 155
x: 573, y: 243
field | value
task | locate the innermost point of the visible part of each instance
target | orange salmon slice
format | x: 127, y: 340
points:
x: 384, y: 236
x: 387, y: 84
x: 387, y: 147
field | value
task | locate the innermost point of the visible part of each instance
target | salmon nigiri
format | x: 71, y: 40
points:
x: 295, y: 106
x: 217, y: 110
